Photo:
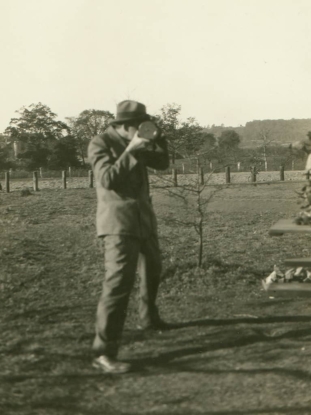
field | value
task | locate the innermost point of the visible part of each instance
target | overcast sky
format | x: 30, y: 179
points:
x: 223, y: 61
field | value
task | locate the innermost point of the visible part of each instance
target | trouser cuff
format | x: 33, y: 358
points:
x: 107, y: 348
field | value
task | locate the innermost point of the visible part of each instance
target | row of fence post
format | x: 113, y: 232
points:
x: 174, y: 178
x: 35, y: 180
x: 228, y: 175
x: 238, y: 166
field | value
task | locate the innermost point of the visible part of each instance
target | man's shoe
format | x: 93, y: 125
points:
x: 110, y: 365
x: 158, y: 325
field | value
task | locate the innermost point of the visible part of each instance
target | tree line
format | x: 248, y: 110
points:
x: 37, y: 139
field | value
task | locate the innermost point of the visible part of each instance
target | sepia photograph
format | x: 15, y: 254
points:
x: 155, y: 207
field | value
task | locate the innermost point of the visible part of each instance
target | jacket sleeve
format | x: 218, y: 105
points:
x: 108, y: 171
x: 157, y: 158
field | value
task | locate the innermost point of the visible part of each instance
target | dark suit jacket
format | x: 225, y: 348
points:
x: 122, y: 186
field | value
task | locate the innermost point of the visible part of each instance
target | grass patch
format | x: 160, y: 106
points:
x: 233, y: 351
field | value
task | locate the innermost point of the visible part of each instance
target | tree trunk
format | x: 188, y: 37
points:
x: 265, y: 158
x: 200, y: 228
x: 80, y: 147
x: 173, y: 157
x: 200, y: 253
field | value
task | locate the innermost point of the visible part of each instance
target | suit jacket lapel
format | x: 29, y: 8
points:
x: 116, y: 141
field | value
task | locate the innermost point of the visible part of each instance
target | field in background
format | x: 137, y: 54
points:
x: 233, y: 351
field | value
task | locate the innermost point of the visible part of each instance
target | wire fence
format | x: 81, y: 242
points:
x: 12, y: 181
x: 191, y: 166
x: 44, y: 174
x: 182, y: 166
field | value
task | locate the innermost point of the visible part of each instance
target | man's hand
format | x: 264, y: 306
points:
x: 137, y: 143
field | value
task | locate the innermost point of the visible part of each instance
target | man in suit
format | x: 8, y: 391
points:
x: 126, y: 221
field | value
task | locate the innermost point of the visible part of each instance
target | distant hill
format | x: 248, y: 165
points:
x: 282, y: 132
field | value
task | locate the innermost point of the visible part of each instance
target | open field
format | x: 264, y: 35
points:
x: 234, y: 350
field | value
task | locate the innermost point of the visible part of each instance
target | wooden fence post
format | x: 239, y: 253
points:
x: 201, y: 175
x: 228, y: 178
x: 69, y: 171
x: 282, y: 173
x: 35, y: 181
x: 64, y: 177
x: 174, y: 177
x: 253, y: 175
x: 91, y: 179
x: 7, y: 181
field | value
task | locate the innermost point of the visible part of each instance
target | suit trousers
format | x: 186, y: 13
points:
x: 123, y: 255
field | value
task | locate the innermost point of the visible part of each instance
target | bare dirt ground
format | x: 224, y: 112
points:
x: 233, y: 351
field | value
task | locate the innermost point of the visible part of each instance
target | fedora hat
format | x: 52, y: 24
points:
x: 130, y: 111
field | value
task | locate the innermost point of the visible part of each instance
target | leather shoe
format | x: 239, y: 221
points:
x: 158, y: 325
x: 110, y: 365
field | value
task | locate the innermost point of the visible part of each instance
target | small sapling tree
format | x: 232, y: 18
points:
x: 194, y: 196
